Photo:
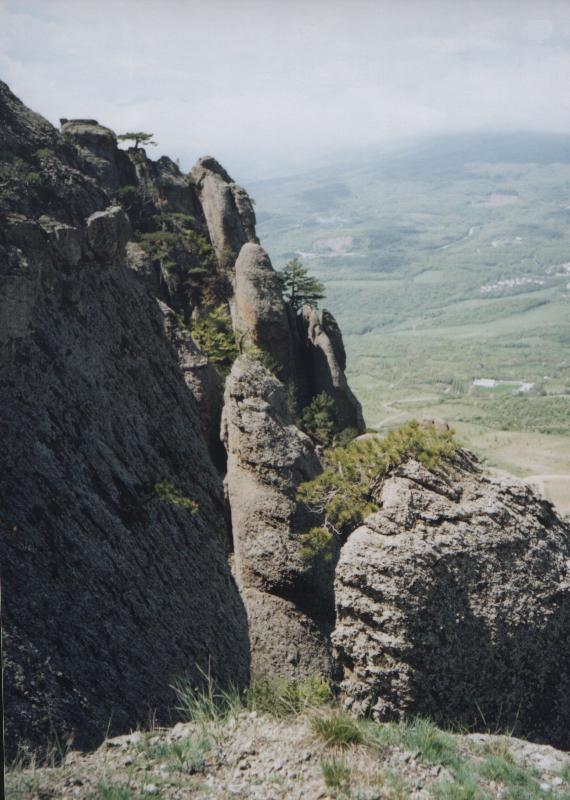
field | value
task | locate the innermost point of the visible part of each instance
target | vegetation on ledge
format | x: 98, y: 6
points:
x: 345, y: 493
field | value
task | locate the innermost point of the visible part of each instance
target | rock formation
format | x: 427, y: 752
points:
x: 322, y: 360
x: 203, y: 380
x: 113, y: 536
x: 227, y: 207
x: 259, y: 311
x: 453, y: 601
x: 289, y: 606
x: 98, y: 146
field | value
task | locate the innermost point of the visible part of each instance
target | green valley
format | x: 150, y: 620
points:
x: 446, y: 263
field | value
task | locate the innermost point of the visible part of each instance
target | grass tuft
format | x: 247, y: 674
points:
x: 280, y: 697
x: 434, y: 745
x: 187, y: 755
x: 113, y: 791
x: 336, y: 774
x: 339, y: 729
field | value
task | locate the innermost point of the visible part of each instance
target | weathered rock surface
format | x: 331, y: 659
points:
x: 98, y: 144
x: 109, y: 592
x: 108, y: 232
x: 204, y: 381
x: 259, y: 311
x: 268, y: 457
x: 227, y: 207
x: 453, y: 601
x: 322, y: 360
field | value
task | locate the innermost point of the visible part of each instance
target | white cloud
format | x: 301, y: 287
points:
x: 261, y: 82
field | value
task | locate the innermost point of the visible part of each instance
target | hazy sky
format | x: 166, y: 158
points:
x: 268, y: 84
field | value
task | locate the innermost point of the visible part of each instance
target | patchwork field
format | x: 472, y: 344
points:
x: 447, y: 266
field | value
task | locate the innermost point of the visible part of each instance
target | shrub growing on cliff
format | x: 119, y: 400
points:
x: 214, y: 334
x: 168, y: 493
x: 346, y: 491
x: 299, y: 287
x: 318, y: 419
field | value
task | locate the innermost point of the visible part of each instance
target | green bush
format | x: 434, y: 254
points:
x: 345, y: 492
x: 317, y: 542
x: 214, y: 334
x: 318, y: 419
x: 266, y: 359
x: 168, y: 493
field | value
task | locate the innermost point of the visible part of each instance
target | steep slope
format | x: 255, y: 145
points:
x: 115, y: 528
x: 113, y: 536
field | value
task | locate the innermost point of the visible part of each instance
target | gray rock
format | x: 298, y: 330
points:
x: 108, y: 232
x: 453, y: 601
x: 259, y: 313
x: 321, y: 362
x: 202, y: 379
x: 98, y: 146
x: 227, y: 208
x: 109, y: 592
x: 268, y: 457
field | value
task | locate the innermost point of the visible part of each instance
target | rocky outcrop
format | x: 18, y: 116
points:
x: 453, y: 601
x: 288, y: 603
x: 163, y: 185
x: 114, y: 527
x: 259, y: 311
x: 321, y: 363
x: 227, y: 207
x: 108, y: 232
x: 203, y: 379
x: 101, y: 157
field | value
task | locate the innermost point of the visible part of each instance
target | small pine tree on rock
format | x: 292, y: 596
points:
x: 300, y: 288
x: 140, y: 138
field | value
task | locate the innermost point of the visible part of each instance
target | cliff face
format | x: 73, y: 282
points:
x: 113, y: 582
x: 148, y: 367
x: 115, y: 528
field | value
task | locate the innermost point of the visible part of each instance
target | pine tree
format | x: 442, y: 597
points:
x: 299, y: 287
x: 138, y: 137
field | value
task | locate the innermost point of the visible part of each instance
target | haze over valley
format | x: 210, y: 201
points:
x: 448, y: 265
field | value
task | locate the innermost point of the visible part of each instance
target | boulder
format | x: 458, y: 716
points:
x: 289, y: 605
x: 259, y: 311
x: 453, y: 601
x: 227, y: 207
x: 108, y: 232
x: 321, y: 363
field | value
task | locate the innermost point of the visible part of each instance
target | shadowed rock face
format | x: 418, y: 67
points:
x: 227, y: 207
x: 259, y: 311
x: 98, y: 144
x: 109, y: 593
x: 289, y: 604
x: 322, y: 361
x: 453, y: 601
